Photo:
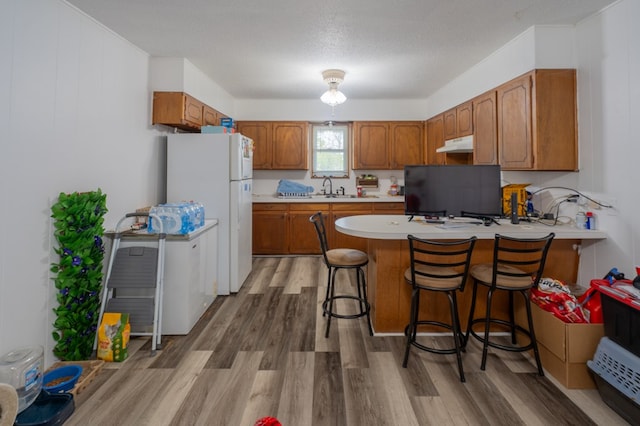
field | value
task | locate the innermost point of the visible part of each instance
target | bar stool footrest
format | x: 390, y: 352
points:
x: 510, y: 348
x: 463, y: 340
x: 360, y: 314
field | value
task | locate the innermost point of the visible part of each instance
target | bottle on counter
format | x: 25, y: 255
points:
x: 581, y: 220
x: 590, y: 220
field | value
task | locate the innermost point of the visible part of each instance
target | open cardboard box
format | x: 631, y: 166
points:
x: 564, y: 347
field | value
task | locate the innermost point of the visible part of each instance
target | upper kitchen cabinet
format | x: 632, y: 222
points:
x: 279, y: 145
x: 260, y: 133
x: 210, y: 117
x: 435, y: 139
x: 458, y: 121
x: 536, y: 118
x: 387, y: 145
x: 177, y: 109
x: 485, y: 135
x: 406, y: 143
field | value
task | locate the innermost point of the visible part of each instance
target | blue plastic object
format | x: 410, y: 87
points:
x: 47, y: 410
x: 71, y: 372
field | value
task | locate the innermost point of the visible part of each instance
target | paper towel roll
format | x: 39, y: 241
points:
x: 8, y: 404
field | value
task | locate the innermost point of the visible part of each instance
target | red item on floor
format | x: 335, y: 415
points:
x: 268, y: 421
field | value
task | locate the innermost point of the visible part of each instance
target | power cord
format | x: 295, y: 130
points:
x: 578, y: 193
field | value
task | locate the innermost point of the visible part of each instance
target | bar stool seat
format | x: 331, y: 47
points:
x: 336, y: 259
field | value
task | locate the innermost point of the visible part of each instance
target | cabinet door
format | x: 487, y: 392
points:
x: 435, y: 139
x: 406, y: 144
x: 303, y: 238
x: 554, y: 111
x: 514, y: 124
x: 371, y: 145
x: 270, y: 229
x: 290, y: 146
x: 260, y: 132
x: 209, y: 116
x: 485, y: 139
x: 450, y: 124
x: 340, y: 240
x: 193, y: 110
x: 464, y: 119
x: 389, y: 208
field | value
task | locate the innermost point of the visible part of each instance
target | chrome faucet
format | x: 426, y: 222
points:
x: 324, y: 182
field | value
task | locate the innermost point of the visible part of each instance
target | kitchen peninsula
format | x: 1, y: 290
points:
x: 388, y: 249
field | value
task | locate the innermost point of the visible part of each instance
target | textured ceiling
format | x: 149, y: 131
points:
x: 277, y: 49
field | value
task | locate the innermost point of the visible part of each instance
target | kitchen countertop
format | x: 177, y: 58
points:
x: 397, y: 227
x: 272, y: 198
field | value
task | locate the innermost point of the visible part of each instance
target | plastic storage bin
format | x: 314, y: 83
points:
x: 23, y: 369
x: 617, y: 374
x: 621, y: 315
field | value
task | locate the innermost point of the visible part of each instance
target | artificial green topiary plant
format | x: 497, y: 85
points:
x: 78, y: 219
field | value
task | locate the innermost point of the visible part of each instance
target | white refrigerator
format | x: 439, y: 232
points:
x: 216, y: 170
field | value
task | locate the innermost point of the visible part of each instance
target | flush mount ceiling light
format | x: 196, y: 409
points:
x: 333, y: 96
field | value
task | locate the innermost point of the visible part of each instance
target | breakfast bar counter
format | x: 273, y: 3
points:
x: 388, y: 251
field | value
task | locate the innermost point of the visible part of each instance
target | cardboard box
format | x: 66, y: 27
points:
x: 564, y: 347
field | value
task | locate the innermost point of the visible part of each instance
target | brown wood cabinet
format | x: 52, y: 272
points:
x: 303, y: 238
x: 387, y: 145
x: 279, y: 145
x: 435, y: 139
x: 284, y: 228
x: 485, y: 137
x: 177, y: 109
x: 536, y: 117
x: 270, y: 228
x: 210, y: 117
x: 458, y: 121
x: 340, y: 240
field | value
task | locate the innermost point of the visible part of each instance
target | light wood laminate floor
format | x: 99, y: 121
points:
x: 262, y: 352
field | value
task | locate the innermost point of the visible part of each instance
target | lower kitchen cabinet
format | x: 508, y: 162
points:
x: 340, y: 240
x: 303, y: 238
x: 284, y: 228
x: 270, y: 230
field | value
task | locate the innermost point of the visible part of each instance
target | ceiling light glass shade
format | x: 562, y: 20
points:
x: 333, y: 96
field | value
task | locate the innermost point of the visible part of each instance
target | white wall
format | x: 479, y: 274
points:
x: 608, y: 60
x: 75, y: 116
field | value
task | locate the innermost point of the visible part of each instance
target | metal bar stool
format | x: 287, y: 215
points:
x: 342, y: 258
x: 437, y: 266
x: 518, y: 264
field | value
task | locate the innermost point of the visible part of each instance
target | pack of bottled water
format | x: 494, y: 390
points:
x: 177, y: 218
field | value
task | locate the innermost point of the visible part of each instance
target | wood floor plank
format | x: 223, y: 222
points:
x: 396, y: 398
x: 431, y: 410
x: 328, y: 391
x: 263, y: 270
x: 184, y: 376
x: 302, y: 274
x: 296, y: 401
x: 303, y: 336
x: 253, y: 336
x: 264, y: 397
x: 278, y: 338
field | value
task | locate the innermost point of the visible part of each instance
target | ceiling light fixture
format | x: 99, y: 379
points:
x: 333, y: 96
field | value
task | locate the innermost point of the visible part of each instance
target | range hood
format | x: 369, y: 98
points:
x: 463, y: 144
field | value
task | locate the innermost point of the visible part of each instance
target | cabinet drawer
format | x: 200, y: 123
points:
x: 266, y: 207
x: 345, y: 207
x: 386, y: 207
x: 311, y: 207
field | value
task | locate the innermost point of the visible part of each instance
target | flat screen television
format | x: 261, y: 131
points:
x: 458, y: 190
